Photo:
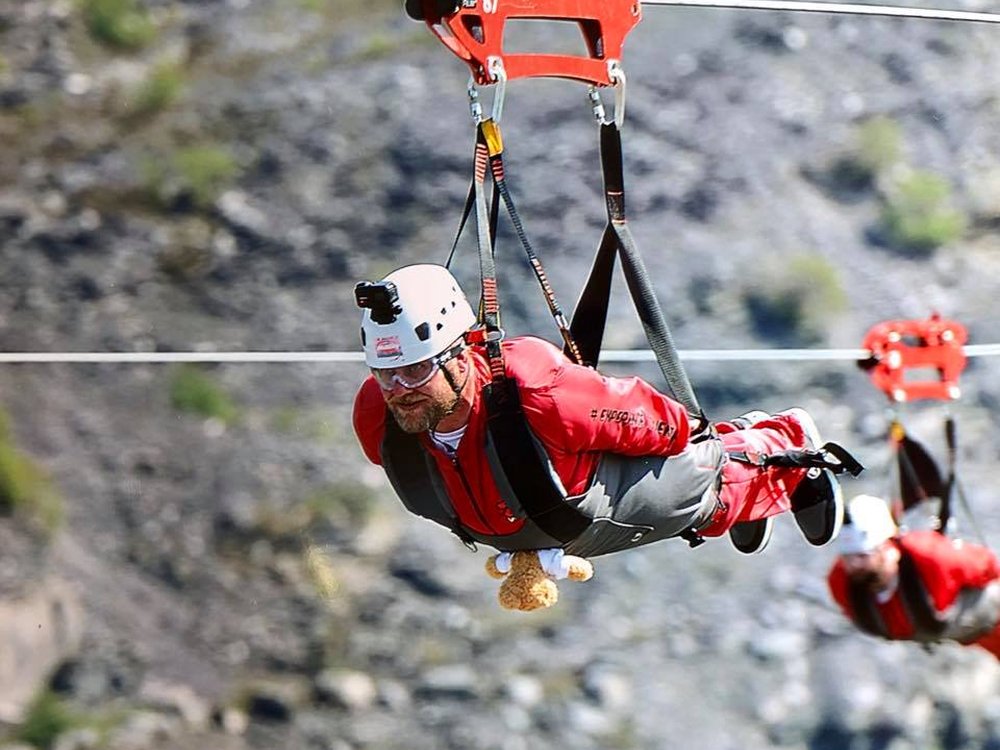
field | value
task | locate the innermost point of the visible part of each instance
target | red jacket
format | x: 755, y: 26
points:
x: 944, y: 568
x: 575, y: 412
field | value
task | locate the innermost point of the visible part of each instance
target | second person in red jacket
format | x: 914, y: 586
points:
x: 917, y: 585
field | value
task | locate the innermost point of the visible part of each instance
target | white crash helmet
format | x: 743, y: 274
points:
x: 869, y: 524
x: 415, y: 313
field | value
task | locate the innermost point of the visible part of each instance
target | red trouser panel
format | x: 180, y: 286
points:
x: 990, y: 641
x: 751, y: 492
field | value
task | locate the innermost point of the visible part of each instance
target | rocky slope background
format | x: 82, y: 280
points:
x: 199, y: 557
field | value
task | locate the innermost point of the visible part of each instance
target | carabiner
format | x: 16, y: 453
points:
x: 617, y: 74
x: 499, y: 76
x: 475, y: 108
x: 596, y: 105
x: 494, y: 66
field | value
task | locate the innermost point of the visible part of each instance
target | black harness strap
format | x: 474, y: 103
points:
x: 954, y: 487
x: 923, y: 615
x: 590, y: 315
x: 527, y: 472
x: 592, y: 306
x: 494, y: 142
x: 866, y: 614
x: 409, y: 478
x: 831, y: 456
x: 919, y: 477
x: 950, y: 483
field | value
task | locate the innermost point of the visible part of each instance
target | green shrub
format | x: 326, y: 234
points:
x: 48, y: 717
x: 320, y: 570
x: 879, y: 144
x: 121, y: 24
x: 25, y: 488
x: 160, y: 89
x: 793, y: 302
x: 196, y: 392
x: 377, y: 46
x: 877, y: 148
x: 205, y: 171
x: 306, y: 423
x: 345, y: 504
x: 918, y: 215
x: 346, y: 501
x: 199, y: 173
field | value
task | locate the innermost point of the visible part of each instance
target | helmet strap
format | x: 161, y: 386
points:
x: 455, y: 387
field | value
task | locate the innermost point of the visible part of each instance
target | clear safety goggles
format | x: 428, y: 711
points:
x: 410, y: 376
x: 416, y: 375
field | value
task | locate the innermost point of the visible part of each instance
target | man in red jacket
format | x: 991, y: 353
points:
x: 617, y: 456
x: 916, y: 586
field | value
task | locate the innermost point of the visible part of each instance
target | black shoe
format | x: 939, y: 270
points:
x: 751, y: 537
x: 817, y: 502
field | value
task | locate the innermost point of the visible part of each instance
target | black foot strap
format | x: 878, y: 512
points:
x: 831, y: 456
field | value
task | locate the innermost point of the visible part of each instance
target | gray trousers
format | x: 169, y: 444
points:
x: 636, y: 501
x: 975, y: 613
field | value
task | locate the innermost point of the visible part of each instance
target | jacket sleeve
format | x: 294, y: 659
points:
x: 578, y: 409
x: 369, y: 419
x: 947, y: 566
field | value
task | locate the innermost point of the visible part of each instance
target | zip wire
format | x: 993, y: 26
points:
x: 611, y: 355
x: 859, y: 9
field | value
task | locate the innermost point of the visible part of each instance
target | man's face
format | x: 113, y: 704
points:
x: 875, y: 569
x: 420, y: 409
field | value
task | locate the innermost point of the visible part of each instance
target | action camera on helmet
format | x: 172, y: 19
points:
x: 381, y: 297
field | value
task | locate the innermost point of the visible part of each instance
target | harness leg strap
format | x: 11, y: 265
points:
x: 831, y: 456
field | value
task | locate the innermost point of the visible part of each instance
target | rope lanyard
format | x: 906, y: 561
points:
x: 494, y: 141
x: 489, y: 152
x: 489, y: 307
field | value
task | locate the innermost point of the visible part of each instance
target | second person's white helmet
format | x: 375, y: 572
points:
x: 870, y: 523
x: 415, y: 313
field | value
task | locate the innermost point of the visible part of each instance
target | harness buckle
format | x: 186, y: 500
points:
x: 692, y: 537
x: 484, y: 336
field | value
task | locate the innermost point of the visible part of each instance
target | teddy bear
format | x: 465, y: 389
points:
x: 529, y: 576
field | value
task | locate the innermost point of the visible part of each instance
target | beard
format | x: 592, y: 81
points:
x: 870, y: 579
x: 426, y: 417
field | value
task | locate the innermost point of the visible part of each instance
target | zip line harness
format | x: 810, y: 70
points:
x: 474, y: 32
x: 902, y: 350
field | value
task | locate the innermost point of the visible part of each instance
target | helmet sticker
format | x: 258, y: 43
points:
x: 388, y: 346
